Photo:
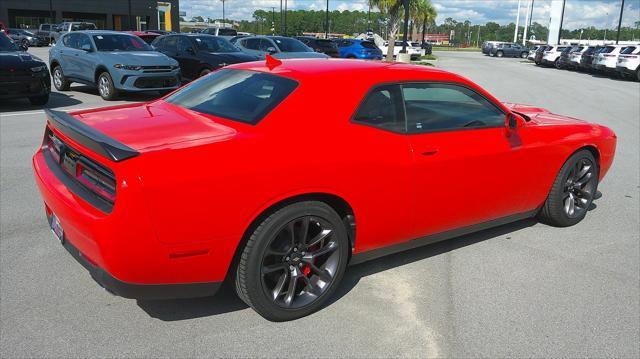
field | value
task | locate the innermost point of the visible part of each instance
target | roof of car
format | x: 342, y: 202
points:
x: 371, y: 72
x: 103, y: 32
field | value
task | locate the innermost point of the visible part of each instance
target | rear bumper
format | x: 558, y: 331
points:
x: 141, y: 291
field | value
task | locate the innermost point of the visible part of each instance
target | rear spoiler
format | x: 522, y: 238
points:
x: 90, y: 137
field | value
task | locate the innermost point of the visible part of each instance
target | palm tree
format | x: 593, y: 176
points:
x: 424, y: 13
x: 392, y: 8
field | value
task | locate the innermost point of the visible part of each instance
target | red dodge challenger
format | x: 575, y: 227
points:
x: 276, y: 175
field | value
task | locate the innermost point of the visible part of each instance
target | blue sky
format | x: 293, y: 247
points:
x: 578, y: 13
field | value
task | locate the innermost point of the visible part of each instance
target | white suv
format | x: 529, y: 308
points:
x: 629, y: 62
x: 414, y: 51
x: 607, y: 58
x: 576, y: 55
x: 552, y: 55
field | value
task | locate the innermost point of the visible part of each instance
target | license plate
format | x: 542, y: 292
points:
x: 56, y: 228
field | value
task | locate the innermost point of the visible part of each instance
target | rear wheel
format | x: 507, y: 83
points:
x: 572, y: 192
x: 59, y: 81
x: 638, y: 73
x: 557, y: 64
x: 293, y: 261
x: 105, y: 87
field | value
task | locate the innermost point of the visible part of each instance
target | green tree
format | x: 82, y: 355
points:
x: 424, y: 15
x: 391, y: 8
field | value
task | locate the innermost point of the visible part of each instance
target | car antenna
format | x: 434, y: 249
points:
x: 272, y: 62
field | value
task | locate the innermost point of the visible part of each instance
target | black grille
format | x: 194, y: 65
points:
x: 155, y: 82
x: 152, y: 69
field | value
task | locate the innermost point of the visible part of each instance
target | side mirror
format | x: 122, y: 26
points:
x: 271, y: 50
x: 512, y: 121
x: 86, y: 47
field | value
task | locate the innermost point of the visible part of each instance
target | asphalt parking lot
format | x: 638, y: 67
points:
x: 520, y: 290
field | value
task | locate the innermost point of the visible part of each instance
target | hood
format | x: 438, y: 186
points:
x: 142, y: 58
x: 154, y: 126
x: 541, y: 116
x: 18, y: 60
x: 300, y: 55
x: 230, y: 57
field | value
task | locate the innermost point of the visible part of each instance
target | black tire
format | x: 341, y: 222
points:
x: 39, y: 100
x: 254, y: 279
x: 557, y: 64
x: 524, y: 55
x: 556, y: 210
x: 60, y: 82
x: 204, y: 72
x: 500, y: 54
x: 25, y: 43
x: 105, y: 87
x: 638, y: 74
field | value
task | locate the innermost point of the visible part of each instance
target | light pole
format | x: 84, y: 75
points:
x: 285, y: 17
x: 326, y: 22
x: 406, y: 26
x: 515, y: 33
x: 605, y: 28
x: 223, y: 16
x: 526, y: 22
x: 620, y: 22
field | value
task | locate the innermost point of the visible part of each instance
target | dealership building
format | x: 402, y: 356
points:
x: 106, y: 14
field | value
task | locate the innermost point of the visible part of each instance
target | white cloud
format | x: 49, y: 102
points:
x: 578, y: 13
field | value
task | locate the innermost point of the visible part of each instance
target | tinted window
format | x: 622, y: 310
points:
x: 170, y: 43
x: 214, y: 44
x: 227, y: 32
x: 71, y: 40
x: 380, y: 108
x: 118, y: 42
x: 327, y: 44
x: 83, y: 26
x: 607, y: 50
x: 83, y: 41
x: 46, y: 27
x: 183, y: 44
x: 244, y: 96
x: 6, y: 44
x: 252, y: 44
x: 290, y: 45
x: 628, y: 50
x: 437, y: 107
x: 368, y: 45
x: 158, y: 43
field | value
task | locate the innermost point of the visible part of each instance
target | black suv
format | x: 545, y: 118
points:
x: 21, y: 74
x: 199, y: 54
x: 324, y: 46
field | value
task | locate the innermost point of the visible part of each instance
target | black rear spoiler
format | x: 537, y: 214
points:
x: 90, y: 137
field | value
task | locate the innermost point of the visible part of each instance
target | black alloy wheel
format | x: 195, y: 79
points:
x: 293, y: 261
x: 573, y: 191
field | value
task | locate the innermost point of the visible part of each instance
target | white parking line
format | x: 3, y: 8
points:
x: 42, y: 111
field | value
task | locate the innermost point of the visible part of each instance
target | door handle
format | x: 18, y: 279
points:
x: 429, y: 151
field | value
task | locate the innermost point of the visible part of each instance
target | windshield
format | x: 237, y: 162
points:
x: 6, y: 44
x: 117, y: 42
x: 291, y: 45
x: 245, y: 96
x: 214, y: 44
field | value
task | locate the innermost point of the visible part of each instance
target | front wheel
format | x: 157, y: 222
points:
x: 524, y: 55
x: 572, y: 192
x: 105, y: 87
x: 499, y: 53
x: 557, y: 64
x: 60, y: 82
x: 293, y: 261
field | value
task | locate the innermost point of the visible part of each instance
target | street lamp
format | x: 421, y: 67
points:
x: 223, y: 15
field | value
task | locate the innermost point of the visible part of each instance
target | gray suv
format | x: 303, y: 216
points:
x: 277, y: 46
x: 509, y: 50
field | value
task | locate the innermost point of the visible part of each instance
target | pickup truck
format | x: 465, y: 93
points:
x: 71, y: 26
x: 45, y: 30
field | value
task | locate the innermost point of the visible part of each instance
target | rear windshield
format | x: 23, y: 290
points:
x: 245, y: 96
x: 607, y: 50
x: 368, y: 45
x: 227, y: 32
x: 628, y: 50
x: 87, y: 26
x: 117, y: 42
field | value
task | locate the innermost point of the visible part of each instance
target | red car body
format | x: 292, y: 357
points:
x: 198, y: 183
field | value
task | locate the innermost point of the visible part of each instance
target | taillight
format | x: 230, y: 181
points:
x: 102, y: 184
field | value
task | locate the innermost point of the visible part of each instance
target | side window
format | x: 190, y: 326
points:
x: 381, y: 108
x: 71, y: 40
x: 439, y: 107
x: 83, y: 40
x: 183, y: 44
x: 170, y: 43
x: 158, y: 43
x: 265, y: 44
x: 251, y: 44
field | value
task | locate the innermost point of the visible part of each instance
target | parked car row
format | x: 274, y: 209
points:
x: 618, y: 60
x: 22, y: 75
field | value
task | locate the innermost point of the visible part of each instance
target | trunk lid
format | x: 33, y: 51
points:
x: 155, y: 126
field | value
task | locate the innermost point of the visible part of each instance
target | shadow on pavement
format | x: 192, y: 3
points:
x: 56, y: 100
x: 226, y: 301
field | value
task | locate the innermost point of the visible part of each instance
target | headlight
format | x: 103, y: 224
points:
x: 128, y: 67
x: 38, y: 68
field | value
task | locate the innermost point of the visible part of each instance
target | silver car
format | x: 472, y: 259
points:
x: 277, y: 46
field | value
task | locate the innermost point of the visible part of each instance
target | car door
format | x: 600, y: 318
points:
x: 68, y: 54
x: 187, y: 57
x: 469, y: 167
x: 252, y: 46
x: 85, y: 58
